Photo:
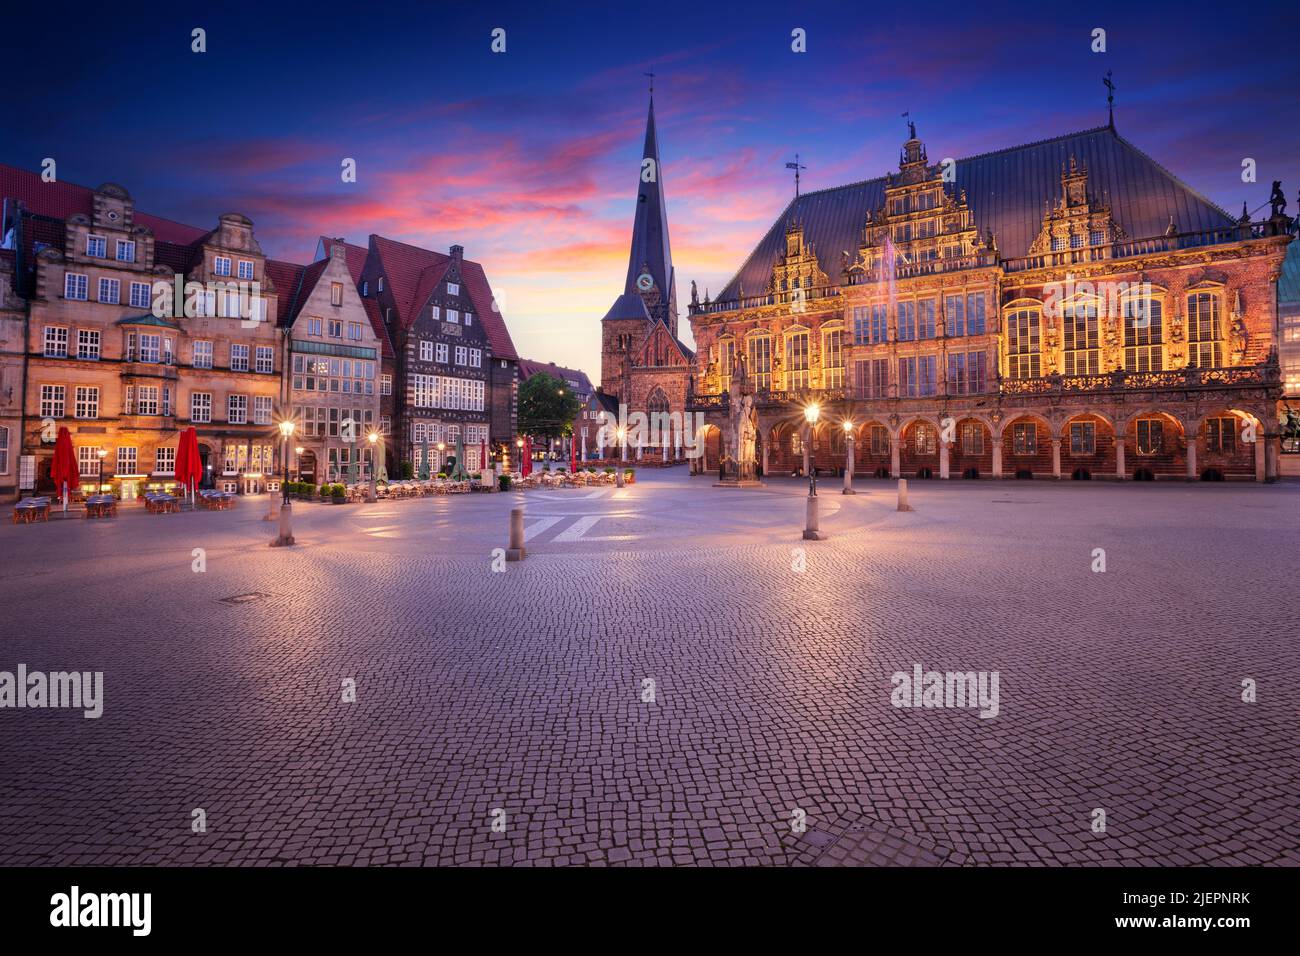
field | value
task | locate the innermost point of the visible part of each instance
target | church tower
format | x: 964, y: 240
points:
x: 650, y: 290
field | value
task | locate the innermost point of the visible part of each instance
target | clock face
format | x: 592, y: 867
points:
x: 645, y: 282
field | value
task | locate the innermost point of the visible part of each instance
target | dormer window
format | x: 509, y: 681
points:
x: 365, y: 287
x: 221, y: 265
x: 453, y: 288
x: 95, y: 246
x: 125, y: 250
x: 245, y: 269
x: 381, y: 284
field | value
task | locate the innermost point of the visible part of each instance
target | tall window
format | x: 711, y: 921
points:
x: 1204, y: 348
x: 925, y: 319
x: 237, y: 410
x: 879, y: 440
x: 1083, y: 438
x: 906, y: 321
x: 916, y: 376
x: 1221, y: 435
x: 1024, y: 438
x: 110, y: 291
x: 1150, y: 436
x: 923, y: 437
x: 201, y: 407
x: 126, y: 459
x: 140, y: 295
x: 261, y: 409
x: 88, y: 460
x: 164, y: 460
x: 75, y: 286
x: 95, y: 246
x: 245, y: 269
x: 52, y: 401
x: 221, y: 265
x: 967, y: 373
x: 726, y: 361
x: 147, y: 400
x: 239, y: 358
x: 796, y: 361
x: 56, y: 342
x: 871, y: 378
x: 760, y: 361
x: 1143, y: 334
x: 1023, y: 344
x: 265, y: 359
x: 202, y: 354
x: 4, y: 450
x: 972, y: 438
x: 87, y: 401
x: 833, y: 359
x: 1082, y: 350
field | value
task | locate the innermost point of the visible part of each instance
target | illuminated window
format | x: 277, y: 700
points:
x: 1221, y: 435
x: 1204, y: 349
x: 1024, y: 438
x: 1023, y: 343
x: 1150, y: 435
x: 923, y: 438
x: 796, y: 361
x: 1082, y: 352
x: 972, y: 438
x: 1143, y: 335
x: 1083, y: 438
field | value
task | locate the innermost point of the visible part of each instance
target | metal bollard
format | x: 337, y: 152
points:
x: 516, y: 550
x: 902, y: 495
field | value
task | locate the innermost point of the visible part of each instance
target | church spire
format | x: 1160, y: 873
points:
x: 650, y: 261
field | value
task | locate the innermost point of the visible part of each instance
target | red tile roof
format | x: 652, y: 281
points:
x: 291, y: 288
x: 356, y: 256
x: 413, y: 273
x: 61, y: 200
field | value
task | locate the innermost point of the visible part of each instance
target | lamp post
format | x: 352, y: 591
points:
x: 848, y: 454
x: 622, y: 441
x: 441, y: 447
x: 285, y: 537
x: 812, y: 530
x: 102, y: 455
x: 373, y: 494
x: 297, y: 460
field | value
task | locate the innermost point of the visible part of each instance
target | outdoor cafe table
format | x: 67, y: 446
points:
x: 101, y: 506
x: 32, y: 509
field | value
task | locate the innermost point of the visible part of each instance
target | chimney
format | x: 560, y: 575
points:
x: 458, y: 252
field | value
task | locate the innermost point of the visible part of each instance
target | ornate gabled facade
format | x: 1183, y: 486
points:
x: 1066, y: 308
x: 644, y: 365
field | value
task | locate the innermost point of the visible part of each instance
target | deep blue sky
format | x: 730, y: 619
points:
x: 529, y: 158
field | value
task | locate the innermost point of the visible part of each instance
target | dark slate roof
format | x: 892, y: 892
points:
x: 147, y: 318
x: 1288, y: 284
x: 1009, y: 191
x: 605, y: 401
x: 629, y: 305
x: 650, y: 246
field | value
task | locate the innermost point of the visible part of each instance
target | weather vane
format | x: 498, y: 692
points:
x: 796, y: 167
x: 652, y: 82
x: 1110, y: 97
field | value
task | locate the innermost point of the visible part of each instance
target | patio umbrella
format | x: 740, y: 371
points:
x: 424, y: 459
x: 526, y: 459
x: 380, y: 463
x: 584, y: 444
x: 573, y: 456
x: 460, y: 473
x: 482, y: 455
x: 354, y: 470
x: 65, y: 471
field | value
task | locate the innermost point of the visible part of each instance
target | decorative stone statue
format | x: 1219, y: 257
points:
x: 1237, y: 340
x: 695, y: 295
x: 1277, y: 200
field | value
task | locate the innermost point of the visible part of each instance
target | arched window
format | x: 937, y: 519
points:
x: 796, y: 360
x: 1023, y: 343
x: 657, y: 402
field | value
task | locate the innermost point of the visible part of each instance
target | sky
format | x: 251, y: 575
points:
x: 529, y: 158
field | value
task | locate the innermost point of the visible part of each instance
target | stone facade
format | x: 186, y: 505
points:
x: 1098, y: 354
x: 12, y: 316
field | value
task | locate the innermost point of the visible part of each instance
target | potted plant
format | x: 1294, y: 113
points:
x: 338, y: 493
x: 503, y: 482
x: 324, y: 492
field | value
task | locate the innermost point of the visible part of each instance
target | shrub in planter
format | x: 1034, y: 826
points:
x: 338, y: 493
x: 442, y: 475
x: 324, y: 492
x: 629, y: 475
x: 408, y: 470
x: 503, y: 482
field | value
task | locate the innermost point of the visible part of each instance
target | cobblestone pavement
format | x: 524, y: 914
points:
x: 522, y: 691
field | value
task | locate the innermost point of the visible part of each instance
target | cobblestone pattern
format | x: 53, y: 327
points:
x: 522, y: 691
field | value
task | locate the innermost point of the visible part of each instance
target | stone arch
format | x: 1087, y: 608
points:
x: 1088, y: 452
x: 918, y: 457
x: 1165, y: 458
x: 1031, y: 456
x: 971, y: 459
x: 1216, y: 452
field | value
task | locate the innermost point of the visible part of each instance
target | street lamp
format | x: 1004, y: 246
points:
x: 812, y: 528
x: 286, y: 509
x: 441, y: 448
x: 297, y: 460
x: 811, y: 413
x: 102, y: 455
x: 622, y: 442
x: 374, y: 439
x: 848, y: 453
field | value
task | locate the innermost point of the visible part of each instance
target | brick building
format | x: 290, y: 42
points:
x: 644, y: 366
x: 578, y: 384
x: 13, y: 315
x: 1066, y: 308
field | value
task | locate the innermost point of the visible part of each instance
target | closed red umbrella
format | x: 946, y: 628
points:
x: 526, y: 462
x: 573, y: 456
x: 65, y: 471
x: 189, y: 464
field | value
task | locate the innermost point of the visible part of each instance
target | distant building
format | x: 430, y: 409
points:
x: 578, y: 384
